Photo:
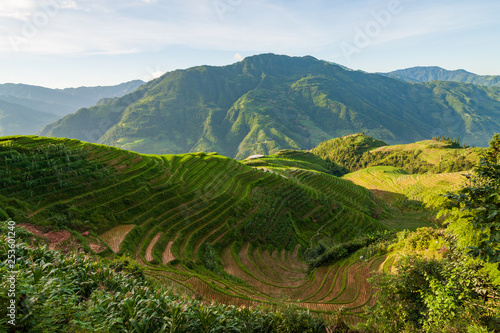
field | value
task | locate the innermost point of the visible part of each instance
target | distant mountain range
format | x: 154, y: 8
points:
x: 26, y: 109
x: 428, y: 74
x: 270, y: 102
x: 16, y: 119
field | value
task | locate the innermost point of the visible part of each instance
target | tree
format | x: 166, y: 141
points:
x: 481, y: 198
x: 430, y: 295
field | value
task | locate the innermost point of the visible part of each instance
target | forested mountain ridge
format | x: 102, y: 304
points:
x: 62, y: 101
x: 433, y: 73
x: 269, y: 102
x: 18, y: 119
x: 27, y: 109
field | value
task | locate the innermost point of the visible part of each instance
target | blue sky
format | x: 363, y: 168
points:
x: 68, y: 43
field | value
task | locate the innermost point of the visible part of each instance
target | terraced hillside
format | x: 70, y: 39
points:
x: 358, y: 151
x: 295, y: 159
x: 388, y: 182
x: 401, y: 191
x: 202, y: 222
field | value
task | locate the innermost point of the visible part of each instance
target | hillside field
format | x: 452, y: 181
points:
x: 203, y: 223
x: 250, y: 233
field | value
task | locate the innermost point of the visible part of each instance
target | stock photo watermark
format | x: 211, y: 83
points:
x: 93, y: 135
x: 224, y: 6
x: 11, y: 276
x: 372, y: 29
x: 36, y: 22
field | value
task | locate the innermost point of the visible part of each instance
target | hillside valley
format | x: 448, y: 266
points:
x: 277, y: 230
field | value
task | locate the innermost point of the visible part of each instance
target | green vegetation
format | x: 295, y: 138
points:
x: 480, y: 198
x: 428, y: 74
x: 358, y: 151
x: 406, y: 191
x: 201, y: 222
x: 436, y: 288
x: 266, y: 241
x: 324, y: 256
x: 268, y: 103
x: 73, y: 292
x: 294, y: 159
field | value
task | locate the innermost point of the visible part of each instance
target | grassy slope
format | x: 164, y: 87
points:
x: 216, y: 227
x: 406, y: 200
x: 433, y: 152
x: 292, y: 159
x: 412, y: 198
x: 358, y: 151
x: 198, y: 216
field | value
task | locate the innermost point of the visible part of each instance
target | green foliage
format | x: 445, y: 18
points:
x: 358, y: 151
x: 481, y: 198
x: 324, y: 256
x: 3, y: 215
x: 432, y: 295
x: 421, y: 239
x: 128, y: 266
x: 75, y: 293
x: 347, y: 151
x: 455, y: 143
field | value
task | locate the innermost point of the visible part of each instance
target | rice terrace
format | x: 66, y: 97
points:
x: 232, y: 166
x: 271, y: 231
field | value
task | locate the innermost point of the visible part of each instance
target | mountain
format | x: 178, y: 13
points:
x: 94, y: 94
x: 47, y: 107
x: 26, y: 109
x: 17, y: 119
x: 62, y: 101
x: 269, y: 102
x: 428, y: 74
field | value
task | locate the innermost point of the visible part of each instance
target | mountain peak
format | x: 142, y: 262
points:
x: 434, y: 73
x: 270, y: 102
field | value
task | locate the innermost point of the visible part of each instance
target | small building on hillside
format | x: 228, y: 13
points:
x: 253, y: 157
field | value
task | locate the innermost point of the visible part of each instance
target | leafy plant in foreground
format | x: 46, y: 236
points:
x: 77, y: 293
x: 481, y: 197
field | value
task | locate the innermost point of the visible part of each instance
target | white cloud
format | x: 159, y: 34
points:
x: 19, y: 9
x: 116, y: 27
x: 97, y: 27
x: 68, y: 4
